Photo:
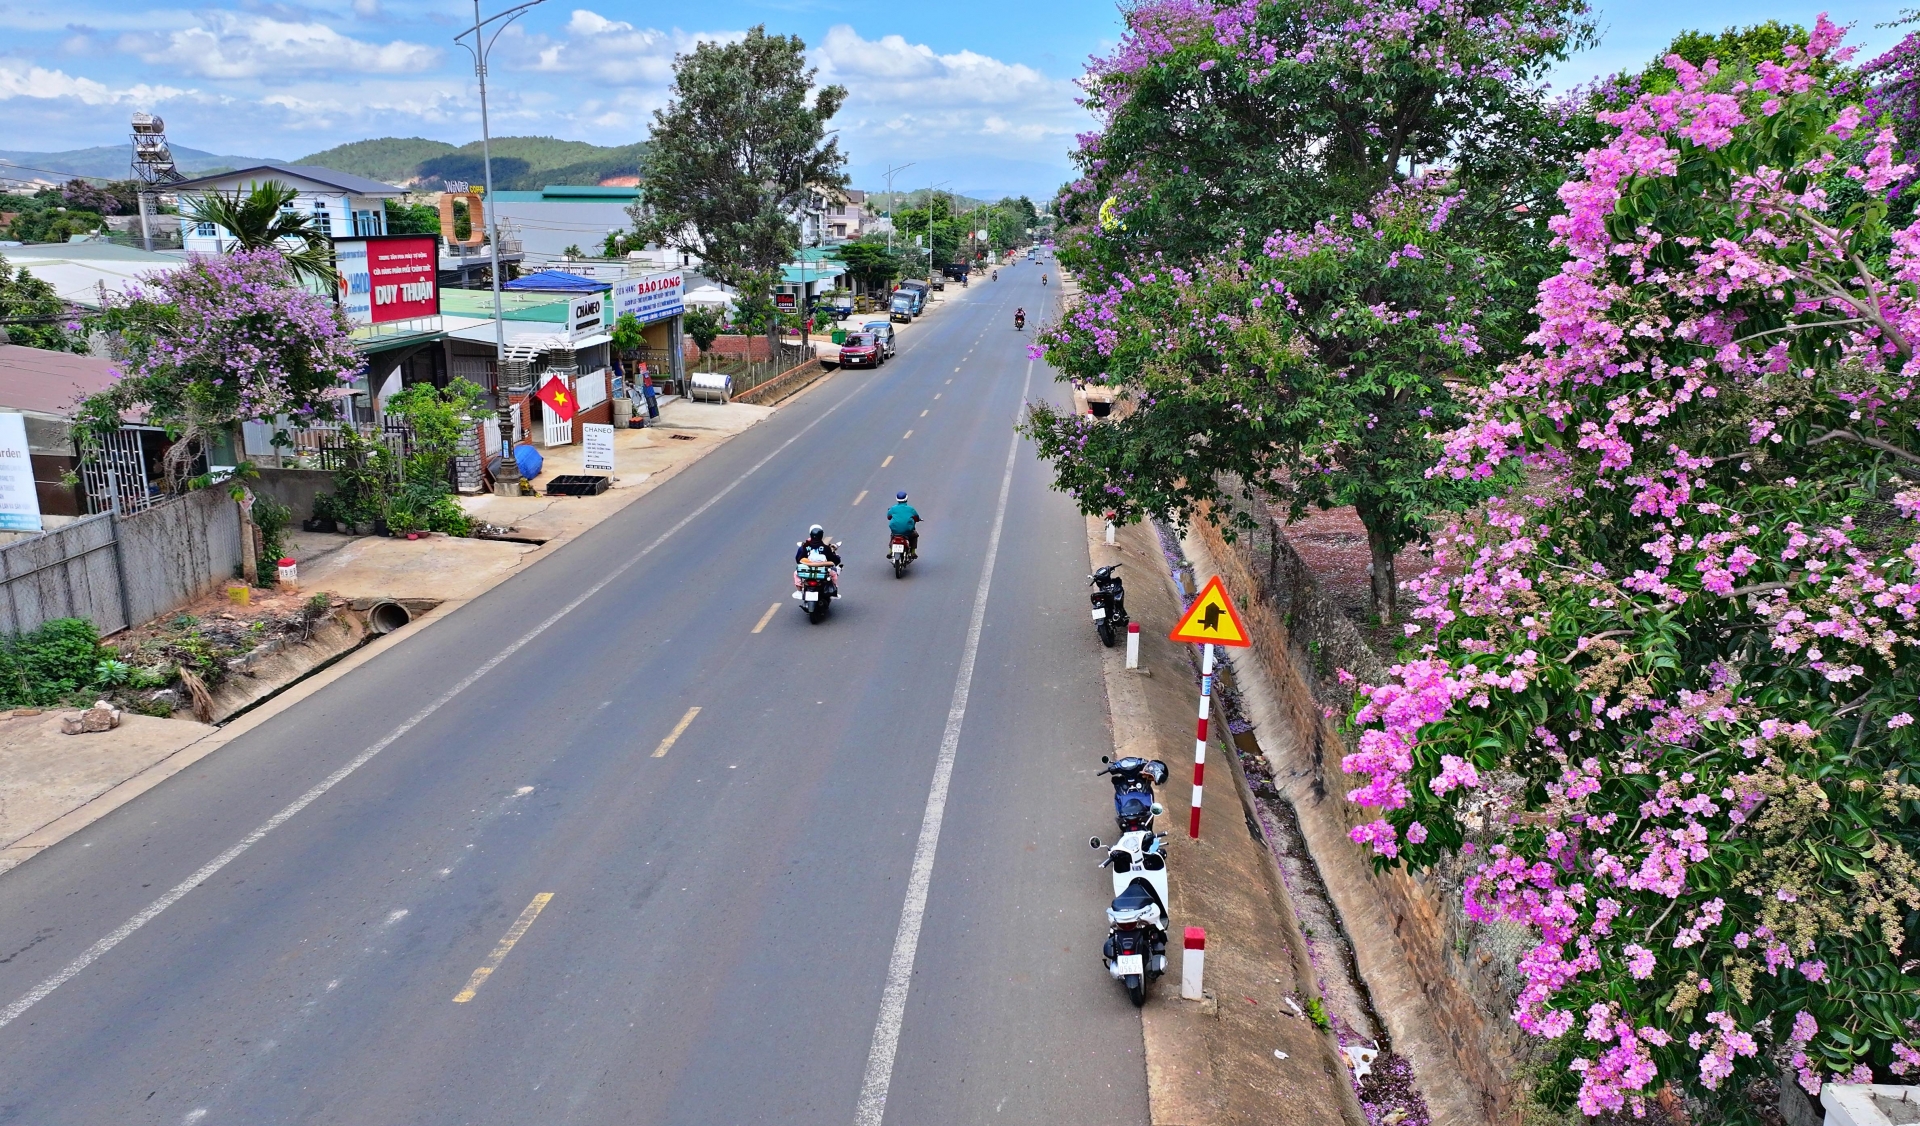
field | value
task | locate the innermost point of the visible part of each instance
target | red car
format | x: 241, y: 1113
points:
x: 862, y: 350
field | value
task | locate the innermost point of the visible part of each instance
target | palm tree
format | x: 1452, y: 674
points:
x: 259, y: 218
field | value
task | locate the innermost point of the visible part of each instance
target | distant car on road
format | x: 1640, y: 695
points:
x: 883, y: 330
x: 862, y: 350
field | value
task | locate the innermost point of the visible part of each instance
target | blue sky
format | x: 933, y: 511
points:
x: 977, y: 94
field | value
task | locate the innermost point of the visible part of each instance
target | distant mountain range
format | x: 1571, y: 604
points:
x: 519, y: 163
x: 112, y: 162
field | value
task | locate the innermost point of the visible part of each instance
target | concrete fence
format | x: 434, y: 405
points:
x: 121, y: 572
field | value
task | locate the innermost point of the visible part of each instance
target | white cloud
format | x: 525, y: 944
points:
x: 612, y: 51
x: 233, y: 45
x: 20, y: 80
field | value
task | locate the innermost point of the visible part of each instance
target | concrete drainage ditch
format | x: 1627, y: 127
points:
x: 1382, y: 1078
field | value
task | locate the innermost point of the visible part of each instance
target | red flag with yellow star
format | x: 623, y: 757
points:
x: 559, y: 400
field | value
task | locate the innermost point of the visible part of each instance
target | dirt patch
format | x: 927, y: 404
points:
x: 184, y: 661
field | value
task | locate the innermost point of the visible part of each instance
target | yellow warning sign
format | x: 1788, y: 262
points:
x: 1212, y: 620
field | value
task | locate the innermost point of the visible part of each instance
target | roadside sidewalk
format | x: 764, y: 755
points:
x: 1247, y: 1054
x: 53, y: 785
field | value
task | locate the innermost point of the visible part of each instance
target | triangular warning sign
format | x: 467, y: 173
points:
x: 1212, y: 620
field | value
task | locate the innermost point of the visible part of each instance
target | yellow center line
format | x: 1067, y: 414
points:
x: 949, y: 381
x: 907, y: 435
x: 923, y: 414
x: 887, y: 462
x: 767, y: 617
x: 861, y: 497
x: 936, y: 394
x: 500, y: 952
x: 674, y: 735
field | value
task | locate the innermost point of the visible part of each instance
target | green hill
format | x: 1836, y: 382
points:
x: 392, y: 159
x: 519, y: 163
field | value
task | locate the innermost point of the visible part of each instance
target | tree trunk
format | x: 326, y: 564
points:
x: 249, y: 557
x: 773, y: 335
x: 1380, y: 569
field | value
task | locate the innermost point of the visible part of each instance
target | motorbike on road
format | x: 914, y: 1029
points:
x: 815, y: 585
x: 901, y: 554
x: 1109, y: 604
x: 1020, y: 322
x: 1133, y: 781
x: 1135, y: 952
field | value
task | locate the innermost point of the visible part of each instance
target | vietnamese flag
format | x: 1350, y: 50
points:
x: 559, y: 400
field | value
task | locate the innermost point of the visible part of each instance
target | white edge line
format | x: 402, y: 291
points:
x: 179, y: 891
x: 872, y: 1107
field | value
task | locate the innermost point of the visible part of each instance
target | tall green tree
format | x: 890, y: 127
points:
x: 735, y: 155
x: 260, y: 219
x: 33, y: 314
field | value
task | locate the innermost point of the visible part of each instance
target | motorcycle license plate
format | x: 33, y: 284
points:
x: 899, y: 549
x: 1099, y: 612
x: 812, y: 597
x: 1130, y: 964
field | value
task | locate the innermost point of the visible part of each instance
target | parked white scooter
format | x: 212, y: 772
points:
x: 1136, y: 948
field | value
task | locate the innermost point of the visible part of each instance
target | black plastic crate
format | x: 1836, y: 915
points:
x: 578, y: 485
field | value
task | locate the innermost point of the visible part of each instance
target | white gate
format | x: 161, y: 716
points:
x: 115, y: 475
x: 558, y: 433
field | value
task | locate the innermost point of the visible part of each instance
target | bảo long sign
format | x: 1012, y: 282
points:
x: 651, y: 297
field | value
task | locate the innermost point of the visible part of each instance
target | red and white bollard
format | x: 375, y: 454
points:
x: 1193, y: 964
x: 1133, y: 645
x: 1200, y: 739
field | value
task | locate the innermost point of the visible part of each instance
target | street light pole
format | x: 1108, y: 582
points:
x: 480, y: 48
x: 892, y: 204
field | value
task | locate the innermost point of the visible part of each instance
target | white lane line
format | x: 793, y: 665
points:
x: 906, y: 940
x: 179, y: 891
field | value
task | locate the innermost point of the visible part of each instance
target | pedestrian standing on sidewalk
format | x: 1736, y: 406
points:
x: 646, y: 388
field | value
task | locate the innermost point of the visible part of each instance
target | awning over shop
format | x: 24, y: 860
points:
x: 555, y: 281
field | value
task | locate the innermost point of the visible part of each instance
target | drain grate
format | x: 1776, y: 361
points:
x: 682, y: 437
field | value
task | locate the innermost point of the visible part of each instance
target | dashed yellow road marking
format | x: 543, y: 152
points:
x: 507, y: 941
x: 887, y: 462
x: 861, y: 497
x: 923, y: 414
x: 674, y: 735
x: 907, y: 435
x: 767, y: 617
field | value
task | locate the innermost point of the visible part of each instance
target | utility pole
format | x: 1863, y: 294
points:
x: 891, y: 202
x: 480, y: 48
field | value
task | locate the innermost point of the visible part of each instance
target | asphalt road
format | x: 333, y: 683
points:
x: 721, y: 939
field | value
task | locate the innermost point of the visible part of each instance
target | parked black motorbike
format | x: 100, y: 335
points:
x: 1109, y: 604
x: 1133, y: 781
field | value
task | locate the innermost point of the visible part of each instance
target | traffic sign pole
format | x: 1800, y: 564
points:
x: 1200, y: 740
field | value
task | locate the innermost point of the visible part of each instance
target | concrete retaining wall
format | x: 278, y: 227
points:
x: 118, y: 572
x: 295, y: 488
x: 787, y: 383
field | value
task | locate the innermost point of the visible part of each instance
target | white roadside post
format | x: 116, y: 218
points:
x: 1193, y: 964
x: 1133, y: 645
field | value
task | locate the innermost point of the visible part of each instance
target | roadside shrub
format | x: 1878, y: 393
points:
x: 272, y: 520
x: 53, y: 662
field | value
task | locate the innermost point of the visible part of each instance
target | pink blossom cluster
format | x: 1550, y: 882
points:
x: 1690, y: 357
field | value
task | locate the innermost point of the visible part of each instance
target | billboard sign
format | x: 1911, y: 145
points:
x: 586, y: 315
x: 652, y: 297
x: 388, y: 279
x: 786, y: 301
x: 19, y: 502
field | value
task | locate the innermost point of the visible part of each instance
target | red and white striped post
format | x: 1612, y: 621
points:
x: 1200, y: 739
x: 1193, y: 964
x: 1133, y: 645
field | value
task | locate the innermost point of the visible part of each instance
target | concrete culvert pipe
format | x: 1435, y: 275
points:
x: 386, y: 616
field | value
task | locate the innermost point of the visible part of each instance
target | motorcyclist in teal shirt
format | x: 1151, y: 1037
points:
x: 901, y: 521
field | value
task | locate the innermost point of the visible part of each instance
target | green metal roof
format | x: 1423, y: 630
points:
x: 800, y: 275
x: 548, y: 307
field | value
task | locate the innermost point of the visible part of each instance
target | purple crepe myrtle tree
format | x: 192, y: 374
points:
x: 1661, y: 696
x: 220, y: 341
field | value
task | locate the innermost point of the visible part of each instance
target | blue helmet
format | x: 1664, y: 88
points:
x: 901, y: 495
